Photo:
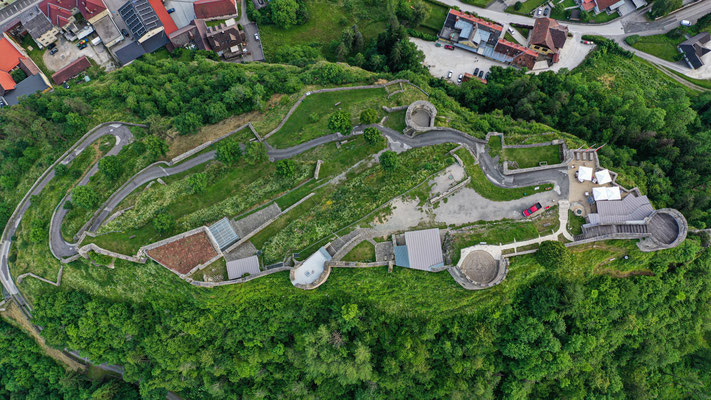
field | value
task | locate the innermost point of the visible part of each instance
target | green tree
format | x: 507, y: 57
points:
x: 61, y: 170
x: 286, y: 168
x: 187, y: 123
x: 197, y: 182
x: 163, y: 222
x: 340, y: 121
x: 18, y: 75
x: 553, y: 254
x: 389, y: 160
x: 38, y: 231
x: 156, y: 146
x: 110, y: 166
x: 368, y: 116
x: 229, y: 151
x: 661, y: 8
x: 372, y: 135
x: 284, y: 12
x: 517, y: 5
x: 255, y: 152
x: 85, y: 197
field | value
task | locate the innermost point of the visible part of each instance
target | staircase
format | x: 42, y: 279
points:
x: 602, y: 230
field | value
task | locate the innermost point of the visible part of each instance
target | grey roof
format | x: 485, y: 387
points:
x: 26, y: 87
x: 130, y: 52
x: 631, y: 208
x: 693, y: 49
x: 401, y: 257
x: 106, y: 29
x: 36, y: 23
x: 224, y: 233
x: 237, y: 268
x: 140, y: 17
x: 155, y: 42
x: 424, y: 249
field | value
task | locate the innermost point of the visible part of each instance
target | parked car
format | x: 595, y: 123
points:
x: 449, y: 47
x: 684, y: 22
x: 53, y: 51
x: 82, y: 46
x: 256, y: 36
x: 529, y: 211
x: 459, y: 78
x: 538, y: 12
x: 171, y: 10
x: 51, y: 46
x: 125, y: 33
x: 476, y: 71
x: 486, y: 76
x: 449, y: 74
x: 545, y: 12
x: 481, y: 73
x: 511, y: 31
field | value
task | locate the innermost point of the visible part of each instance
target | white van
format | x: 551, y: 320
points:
x: 685, y: 22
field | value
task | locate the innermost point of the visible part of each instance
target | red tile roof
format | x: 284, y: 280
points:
x: 603, y: 4
x: 164, y: 17
x: 476, y: 20
x: 71, y: 70
x: 588, y: 5
x: 549, y: 33
x: 6, y: 81
x: 9, y: 56
x: 518, y: 47
x: 59, y: 11
x: 90, y: 8
x: 214, y: 8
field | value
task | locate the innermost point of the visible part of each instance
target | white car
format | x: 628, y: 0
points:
x: 538, y: 12
x: 256, y: 36
x: 685, y: 22
x: 449, y: 74
x: 459, y: 78
x: 511, y: 31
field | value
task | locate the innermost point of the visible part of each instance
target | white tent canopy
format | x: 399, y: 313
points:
x: 606, y: 193
x: 603, y: 177
x: 585, y: 174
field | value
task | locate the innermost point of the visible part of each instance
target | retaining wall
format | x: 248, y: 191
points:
x: 239, y: 280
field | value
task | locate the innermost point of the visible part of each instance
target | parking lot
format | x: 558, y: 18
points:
x: 68, y: 52
x: 440, y: 60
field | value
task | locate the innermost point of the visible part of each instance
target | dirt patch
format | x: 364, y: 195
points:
x: 14, y: 316
x: 184, y: 254
x: 607, y: 80
x: 179, y: 144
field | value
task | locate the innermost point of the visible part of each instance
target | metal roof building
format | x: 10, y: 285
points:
x: 631, y: 208
x: 238, y: 268
x: 422, y: 250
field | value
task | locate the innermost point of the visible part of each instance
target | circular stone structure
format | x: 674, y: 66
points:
x: 480, y: 267
x: 420, y: 115
x: 667, y: 228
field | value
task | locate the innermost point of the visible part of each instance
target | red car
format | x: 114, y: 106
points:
x: 449, y: 47
x: 529, y: 211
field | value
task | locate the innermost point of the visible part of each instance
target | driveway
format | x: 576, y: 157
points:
x: 571, y: 55
x: 69, y: 52
x: 253, y: 45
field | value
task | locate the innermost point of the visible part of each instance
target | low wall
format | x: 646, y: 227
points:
x: 394, y: 109
x: 451, y: 191
x: 239, y: 280
x: 313, y: 285
x: 355, y: 264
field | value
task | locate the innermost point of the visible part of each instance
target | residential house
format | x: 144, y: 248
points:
x: 694, y: 48
x: 73, y: 69
x: 548, y: 37
x: 192, y: 36
x: 141, y: 19
x: 207, y: 9
x: 62, y: 13
x: 482, y: 37
x: 38, y: 25
x: 11, y: 59
x: 226, y: 39
x: 623, y: 7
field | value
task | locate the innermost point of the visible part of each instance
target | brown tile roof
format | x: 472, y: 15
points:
x: 549, y: 33
x: 71, y: 70
x: 184, y: 254
x: 29, y: 66
x: 476, y: 20
x: 214, y: 8
x: 603, y: 4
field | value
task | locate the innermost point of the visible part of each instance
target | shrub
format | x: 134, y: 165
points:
x: 61, y: 170
x: 187, y: 123
x: 38, y: 232
x: 389, y: 161
x: 313, y: 118
x: 163, y: 222
x: 228, y: 151
x: 255, y: 152
x: 156, y: 146
x: 340, y: 121
x: 553, y: 254
x: 372, y: 135
x: 18, y: 75
x: 421, y: 35
x: 518, y: 5
x: 68, y: 205
x: 368, y: 116
x: 110, y: 166
x: 286, y: 168
x: 85, y: 197
x: 632, y: 39
x: 138, y: 148
x: 197, y: 182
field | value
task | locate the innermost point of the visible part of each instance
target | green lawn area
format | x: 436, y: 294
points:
x: 482, y: 185
x: 526, y: 7
x: 510, y: 38
x: 495, y: 145
x: 660, y: 46
x: 327, y: 19
x: 604, y: 17
x: 533, y: 156
x: 575, y: 223
x: 478, y: 3
x: 310, y: 120
x: 523, y: 31
x: 35, y: 54
x: 435, y: 18
x: 396, y: 121
x: 569, y: 3
x: 363, y: 252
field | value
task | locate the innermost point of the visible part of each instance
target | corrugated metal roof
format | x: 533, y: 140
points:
x: 224, y: 233
x: 237, y: 268
x: 631, y: 208
x: 424, y: 249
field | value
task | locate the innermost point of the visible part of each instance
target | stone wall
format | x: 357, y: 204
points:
x: 239, y: 280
